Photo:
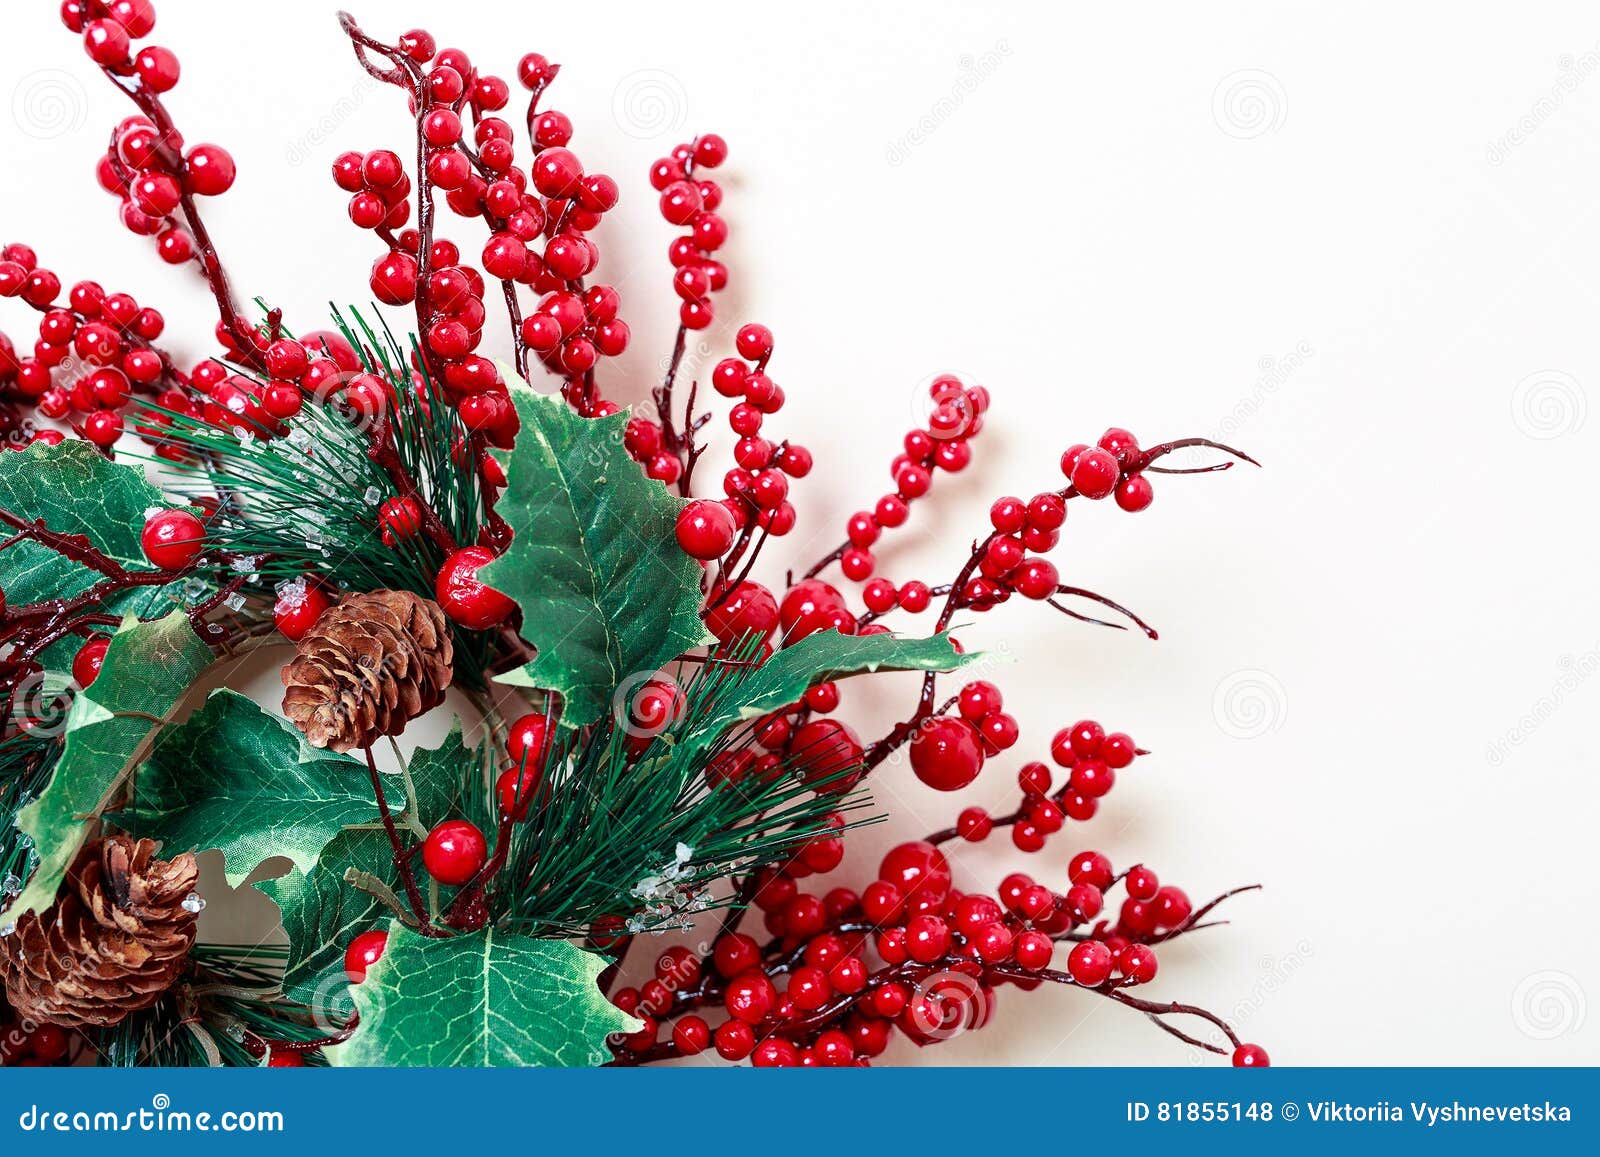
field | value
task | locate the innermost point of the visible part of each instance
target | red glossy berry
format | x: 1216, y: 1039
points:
x: 946, y: 753
x: 363, y: 953
x: 734, y: 954
x: 209, y: 170
x: 283, y: 1059
x: 86, y: 663
x: 454, y: 852
x: 1033, y: 949
x: 517, y: 789
x: 1142, y: 883
x: 157, y: 67
x: 824, y: 754
x: 750, y: 609
x: 299, y: 605
x: 734, y: 1040
x: 1117, y: 750
x: 691, y: 1035
x: 464, y: 597
x: 106, y: 41
x: 974, y: 824
x: 812, y: 605
x: 1090, y: 963
x: 1248, y: 1056
x: 1138, y: 963
x: 172, y: 539
x: 705, y: 529
x: 1135, y: 493
x: 1090, y: 868
x: 1095, y: 473
x: 749, y: 997
x: 917, y: 869
x: 1035, y: 579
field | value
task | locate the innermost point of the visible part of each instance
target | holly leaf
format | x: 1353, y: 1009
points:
x: 817, y: 658
x: 595, y: 565
x: 73, y: 489
x: 322, y: 913
x: 109, y: 730
x: 485, y: 1000
x: 245, y: 782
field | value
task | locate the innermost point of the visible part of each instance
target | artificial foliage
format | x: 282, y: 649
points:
x: 651, y: 730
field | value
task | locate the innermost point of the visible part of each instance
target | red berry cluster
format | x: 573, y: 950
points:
x: 1114, y: 465
x: 146, y: 165
x: 691, y: 203
x: 910, y: 953
x: 957, y: 416
x: 93, y: 351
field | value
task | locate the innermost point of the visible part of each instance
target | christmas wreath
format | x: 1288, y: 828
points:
x: 652, y: 737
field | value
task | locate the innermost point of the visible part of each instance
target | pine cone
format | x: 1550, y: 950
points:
x: 367, y: 667
x: 117, y: 937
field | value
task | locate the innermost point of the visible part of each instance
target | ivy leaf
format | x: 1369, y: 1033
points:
x: 245, y: 782
x: 595, y: 566
x: 322, y: 913
x: 73, y: 489
x: 486, y: 1000
x: 817, y: 658
x: 109, y: 730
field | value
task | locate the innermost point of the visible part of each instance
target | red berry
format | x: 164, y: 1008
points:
x: 172, y: 539
x: 974, y: 824
x: 1090, y: 963
x: 363, y: 953
x: 812, y: 605
x: 299, y: 605
x: 734, y: 1040
x: 824, y: 753
x: 1117, y: 750
x: 86, y: 663
x: 735, y: 953
x: 1090, y: 868
x: 1248, y: 1056
x: 705, y: 529
x: 691, y: 1035
x: 749, y: 609
x: 454, y: 852
x: 1033, y: 949
x: 464, y: 597
x: 1142, y: 883
x: 946, y: 753
x: 517, y: 788
x: 1095, y: 473
x: 917, y: 869
x: 208, y: 170
x: 1137, y: 963
x: 1135, y: 493
x: 106, y: 41
x: 749, y: 997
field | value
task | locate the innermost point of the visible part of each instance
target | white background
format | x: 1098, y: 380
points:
x: 1357, y: 241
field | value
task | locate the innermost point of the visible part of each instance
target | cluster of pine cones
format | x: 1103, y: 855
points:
x: 118, y: 936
